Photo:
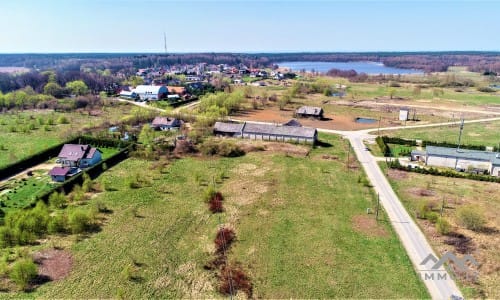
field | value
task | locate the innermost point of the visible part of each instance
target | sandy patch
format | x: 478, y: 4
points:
x: 368, y: 225
x: 397, y: 174
x: 53, y: 264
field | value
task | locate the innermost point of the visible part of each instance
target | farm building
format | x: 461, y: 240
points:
x: 267, y: 132
x: 165, y: 123
x: 129, y: 95
x: 309, y: 111
x: 463, y: 159
x: 82, y: 156
x: 293, y: 122
x: 150, y: 92
x: 228, y: 129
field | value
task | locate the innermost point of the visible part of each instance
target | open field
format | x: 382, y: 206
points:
x: 487, y: 134
x: 25, y: 133
x: 414, y: 190
x: 302, y: 230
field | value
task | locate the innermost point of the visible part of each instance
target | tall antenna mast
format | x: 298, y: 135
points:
x: 460, y: 135
x: 165, y: 41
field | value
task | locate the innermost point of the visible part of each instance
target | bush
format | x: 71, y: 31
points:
x: 7, y: 237
x: 57, y: 224
x: 23, y: 272
x: 221, y: 147
x: 215, y: 204
x: 471, y: 217
x: 62, y: 120
x: 209, y: 193
x: 223, y: 240
x: 432, y: 216
x: 443, y: 226
x: 57, y: 200
x: 79, y: 221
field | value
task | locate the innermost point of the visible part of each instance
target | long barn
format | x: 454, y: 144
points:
x: 267, y: 132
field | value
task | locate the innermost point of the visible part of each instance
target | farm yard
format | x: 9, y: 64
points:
x: 424, y: 195
x: 301, y: 230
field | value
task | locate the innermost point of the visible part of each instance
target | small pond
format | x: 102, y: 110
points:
x: 365, y: 120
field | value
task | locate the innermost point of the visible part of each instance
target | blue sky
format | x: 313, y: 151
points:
x: 247, y: 25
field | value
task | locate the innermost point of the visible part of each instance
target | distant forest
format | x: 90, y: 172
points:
x: 485, y: 62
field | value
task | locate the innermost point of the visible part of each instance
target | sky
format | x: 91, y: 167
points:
x: 59, y: 26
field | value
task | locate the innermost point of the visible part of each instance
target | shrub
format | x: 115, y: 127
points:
x: 23, y: 272
x: 233, y: 279
x: 87, y: 183
x: 7, y: 237
x: 209, y: 193
x: 79, y: 221
x: 471, y: 217
x: 57, y: 224
x: 62, y: 120
x: 432, y: 216
x: 215, y: 204
x: 223, y: 240
x: 443, y: 226
x: 57, y: 200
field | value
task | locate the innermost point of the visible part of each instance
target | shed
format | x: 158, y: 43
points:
x: 309, y: 111
x: 59, y: 174
x: 165, y: 123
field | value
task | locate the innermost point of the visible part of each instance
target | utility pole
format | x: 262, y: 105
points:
x: 379, y: 119
x: 442, y: 207
x: 348, y: 153
x: 378, y: 205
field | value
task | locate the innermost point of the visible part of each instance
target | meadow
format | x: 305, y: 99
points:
x: 416, y: 190
x: 25, y: 133
x: 486, y: 134
x: 301, y: 230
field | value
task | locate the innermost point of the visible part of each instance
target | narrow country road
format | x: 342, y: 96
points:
x: 409, y: 233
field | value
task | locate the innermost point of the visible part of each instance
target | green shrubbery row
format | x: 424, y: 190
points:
x: 395, y: 164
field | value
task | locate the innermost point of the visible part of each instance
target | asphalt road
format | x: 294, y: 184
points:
x: 409, y: 233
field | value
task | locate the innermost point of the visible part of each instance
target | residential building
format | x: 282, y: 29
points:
x: 81, y: 156
x: 166, y: 123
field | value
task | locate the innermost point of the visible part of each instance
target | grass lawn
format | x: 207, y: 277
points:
x: 18, y: 141
x: 18, y: 193
x: 416, y: 189
x: 301, y: 225
x: 474, y: 134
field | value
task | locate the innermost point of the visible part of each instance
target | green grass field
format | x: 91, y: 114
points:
x: 301, y: 225
x: 17, y: 140
x: 474, y: 134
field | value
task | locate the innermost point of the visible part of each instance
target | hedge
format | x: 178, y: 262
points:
x: 382, y: 142
x: 40, y: 157
x: 447, y: 173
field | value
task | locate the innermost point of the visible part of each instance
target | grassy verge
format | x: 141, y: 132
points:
x: 418, y: 190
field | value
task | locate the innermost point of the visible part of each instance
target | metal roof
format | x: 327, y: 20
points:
x: 304, y: 132
x: 492, y: 157
x: 309, y: 110
x: 154, y: 89
x: 228, y: 127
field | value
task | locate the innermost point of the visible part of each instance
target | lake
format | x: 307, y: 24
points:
x: 371, y: 68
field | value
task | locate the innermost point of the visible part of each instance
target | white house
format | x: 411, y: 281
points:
x: 150, y: 92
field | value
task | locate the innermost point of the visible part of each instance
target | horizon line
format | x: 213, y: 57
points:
x: 257, y: 52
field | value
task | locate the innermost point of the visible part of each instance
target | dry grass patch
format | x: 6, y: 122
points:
x: 369, y: 226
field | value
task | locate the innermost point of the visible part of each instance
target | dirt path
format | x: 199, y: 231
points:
x: 24, y: 173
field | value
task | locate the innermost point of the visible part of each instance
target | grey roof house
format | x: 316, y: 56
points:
x: 165, y: 123
x: 309, y: 111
